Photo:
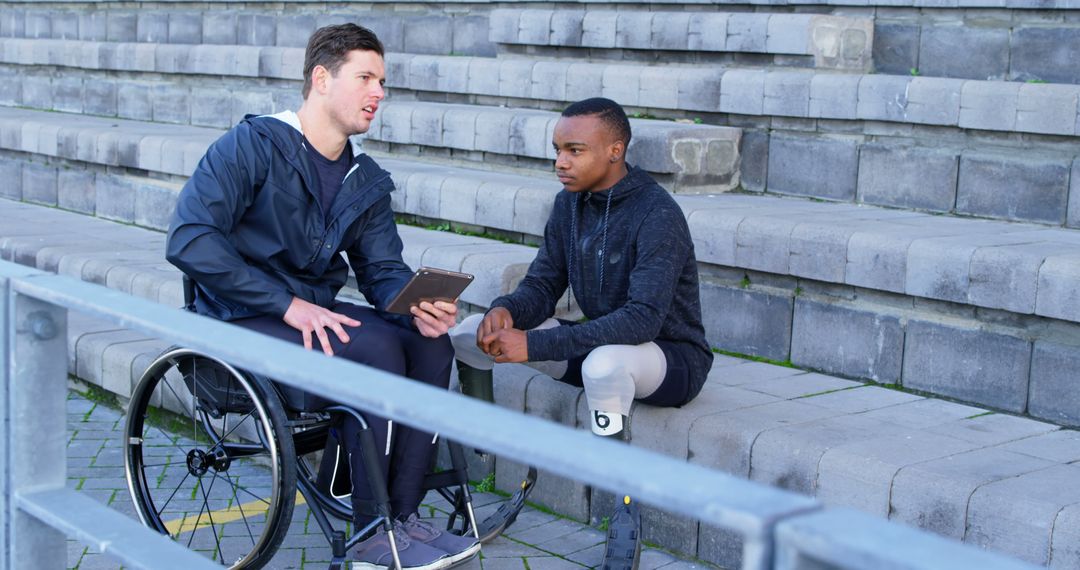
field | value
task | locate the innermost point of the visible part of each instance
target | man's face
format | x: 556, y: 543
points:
x: 587, y: 154
x: 354, y: 92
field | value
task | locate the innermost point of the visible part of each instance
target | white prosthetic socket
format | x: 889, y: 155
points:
x: 463, y: 337
x: 614, y: 376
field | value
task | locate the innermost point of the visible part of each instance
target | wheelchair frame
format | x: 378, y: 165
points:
x: 279, y: 437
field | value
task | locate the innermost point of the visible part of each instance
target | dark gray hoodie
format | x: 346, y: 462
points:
x: 642, y: 286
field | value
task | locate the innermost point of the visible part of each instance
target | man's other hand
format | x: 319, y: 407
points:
x: 496, y: 319
x: 507, y: 345
x: 308, y: 317
x: 434, y: 319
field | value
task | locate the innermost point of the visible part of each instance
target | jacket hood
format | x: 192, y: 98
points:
x: 285, y: 131
x: 635, y: 179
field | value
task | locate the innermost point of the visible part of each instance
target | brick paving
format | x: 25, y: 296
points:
x: 537, y: 541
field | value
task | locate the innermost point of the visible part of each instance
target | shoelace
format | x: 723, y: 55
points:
x: 414, y: 522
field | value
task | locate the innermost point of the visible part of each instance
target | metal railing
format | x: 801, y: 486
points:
x: 781, y: 530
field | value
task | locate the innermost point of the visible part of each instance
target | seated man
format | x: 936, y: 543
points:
x: 622, y: 245
x: 260, y: 227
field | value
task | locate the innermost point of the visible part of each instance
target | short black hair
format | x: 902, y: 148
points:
x: 609, y: 112
x: 329, y: 47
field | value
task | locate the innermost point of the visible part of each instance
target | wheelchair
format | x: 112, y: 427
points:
x: 217, y: 458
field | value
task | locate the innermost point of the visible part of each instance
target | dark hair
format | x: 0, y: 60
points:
x: 609, y: 112
x: 330, y: 46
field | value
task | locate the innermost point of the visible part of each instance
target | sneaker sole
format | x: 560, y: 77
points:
x: 465, y: 555
x: 439, y: 564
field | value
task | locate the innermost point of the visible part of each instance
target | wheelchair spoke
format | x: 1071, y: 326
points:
x: 198, y: 519
x: 169, y: 500
x: 210, y: 515
x: 240, y: 506
x: 224, y: 424
x: 239, y: 487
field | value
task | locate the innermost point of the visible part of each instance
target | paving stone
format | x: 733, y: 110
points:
x: 534, y: 27
x: 633, y: 29
x: 1006, y: 277
x: 787, y: 93
x: 940, y: 267
x: 896, y: 47
x: 1047, y: 109
x: 989, y: 105
x: 1060, y: 446
x: 1056, y: 297
x: 975, y: 366
x: 598, y: 29
x: 789, y: 457
x: 1042, y: 52
x: 883, y: 97
x: 742, y: 91
x: 861, y: 399
x: 747, y: 32
x: 907, y: 177
x: 219, y: 28
x: 152, y: 27
x: 934, y: 495
x: 988, y: 58
x: 39, y: 183
x: 427, y: 34
x: 870, y: 345
x: 1052, y: 383
x: 76, y: 190
x: 1017, y: 515
x: 987, y: 185
x: 813, y: 167
x: 747, y: 321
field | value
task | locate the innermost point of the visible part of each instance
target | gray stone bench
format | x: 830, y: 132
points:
x: 435, y: 31
x: 834, y: 42
x: 953, y: 469
x: 1039, y: 108
x: 689, y: 157
x: 909, y: 295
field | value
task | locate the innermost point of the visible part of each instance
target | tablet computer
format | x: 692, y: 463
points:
x: 429, y: 284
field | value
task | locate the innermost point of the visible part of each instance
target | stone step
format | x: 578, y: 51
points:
x: 910, y: 296
x: 687, y: 157
x: 1004, y: 45
x: 833, y: 42
x: 1038, y: 108
x: 433, y: 31
x: 949, y: 468
x: 690, y: 158
x: 917, y: 254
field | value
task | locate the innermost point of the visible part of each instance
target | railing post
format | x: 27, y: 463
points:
x: 35, y: 425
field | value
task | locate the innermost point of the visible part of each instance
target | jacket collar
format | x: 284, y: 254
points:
x: 628, y: 185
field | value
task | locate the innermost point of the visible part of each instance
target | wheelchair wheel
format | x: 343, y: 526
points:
x: 209, y: 458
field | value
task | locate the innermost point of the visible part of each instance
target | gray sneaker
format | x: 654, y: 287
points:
x: 459, y: 548
x: 374, y: 553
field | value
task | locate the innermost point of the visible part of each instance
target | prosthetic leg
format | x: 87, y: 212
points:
x: 479, y: 384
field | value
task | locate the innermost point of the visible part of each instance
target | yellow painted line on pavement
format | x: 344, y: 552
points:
x: 194, y: 522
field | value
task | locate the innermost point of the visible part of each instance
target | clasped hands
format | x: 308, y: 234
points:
x: 431, y: 319
x: 498, y: 338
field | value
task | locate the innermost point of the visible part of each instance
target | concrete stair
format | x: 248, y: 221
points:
x: 832, y: 42
x: 943, y: 466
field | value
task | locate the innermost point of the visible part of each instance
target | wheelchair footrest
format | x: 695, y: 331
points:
x: 507, y: 513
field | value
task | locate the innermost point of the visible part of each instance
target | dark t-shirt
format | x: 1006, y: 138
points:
x: 330, y: 174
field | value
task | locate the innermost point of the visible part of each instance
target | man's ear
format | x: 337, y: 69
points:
x: 616, y: 151
x: 319, y: 75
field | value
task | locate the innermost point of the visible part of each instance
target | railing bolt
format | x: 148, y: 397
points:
x: 42, y: 325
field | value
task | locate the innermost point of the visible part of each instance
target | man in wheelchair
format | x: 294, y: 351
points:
x: 259, y: 228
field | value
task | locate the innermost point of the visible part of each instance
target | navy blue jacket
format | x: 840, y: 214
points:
x: 643, y: 288
x: 249, y: 229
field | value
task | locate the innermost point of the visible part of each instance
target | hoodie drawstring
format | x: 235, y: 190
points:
x: 574, y: 242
